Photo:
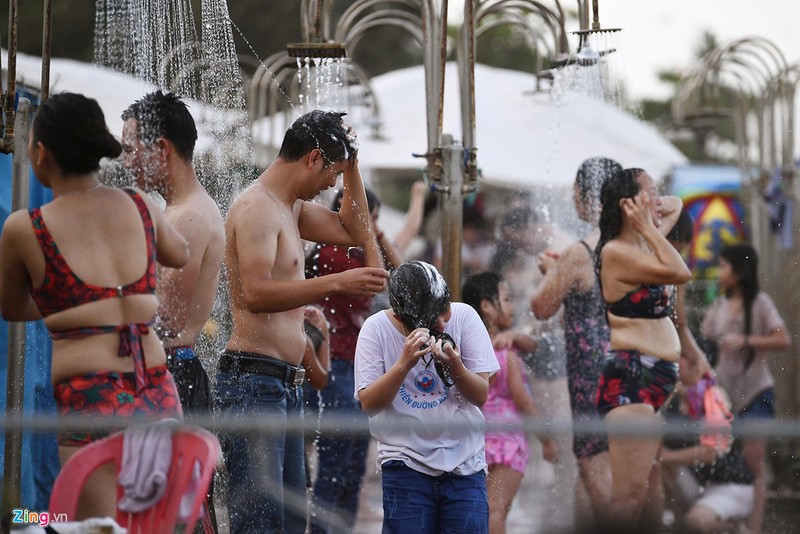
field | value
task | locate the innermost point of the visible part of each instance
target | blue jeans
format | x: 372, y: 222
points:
x: 762, y: 407
x: 266, y: 473
x: 342, y: 456
x: 417, y: 503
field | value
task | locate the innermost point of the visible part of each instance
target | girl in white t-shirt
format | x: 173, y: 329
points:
x: 422, y: 372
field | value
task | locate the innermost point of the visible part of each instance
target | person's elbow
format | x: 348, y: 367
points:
x: 681, y: 275
x: 784, y: 339
x: 252, y: 299
x: 176, y: 255
x: 369, y: 403
x: 480, y: 394
x: 542, y: 307
x: 317, y: 379
x: 481, y: 398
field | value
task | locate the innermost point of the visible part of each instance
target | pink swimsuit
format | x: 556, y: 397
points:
x: 508, y: 448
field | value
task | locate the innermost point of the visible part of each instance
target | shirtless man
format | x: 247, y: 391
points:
x: 158, y: 140
x: 260, y: 374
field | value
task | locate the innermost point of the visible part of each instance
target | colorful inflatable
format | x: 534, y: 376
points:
x: 711, y: 195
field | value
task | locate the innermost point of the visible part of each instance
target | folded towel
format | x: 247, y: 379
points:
x: 146, y: 458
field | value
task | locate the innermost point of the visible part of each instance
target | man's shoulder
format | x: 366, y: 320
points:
x: 254, y: 201
x: 199, y: 212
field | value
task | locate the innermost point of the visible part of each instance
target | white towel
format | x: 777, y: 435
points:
x: 146, y: 458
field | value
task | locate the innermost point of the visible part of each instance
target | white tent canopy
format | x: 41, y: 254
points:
x: 523, y: 138
x: 113, y: 90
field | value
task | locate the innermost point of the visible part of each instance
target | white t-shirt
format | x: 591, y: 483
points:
x: 422, y: 398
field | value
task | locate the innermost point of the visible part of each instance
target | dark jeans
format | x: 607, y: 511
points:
x: 194, y: 392
x: 266, y: 472
x: 416, y: 503
x: 342, y: 456
x: 762, y: 407
x: 191, y: 380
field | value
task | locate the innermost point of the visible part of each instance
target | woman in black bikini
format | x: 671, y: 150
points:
x: 635, y: 264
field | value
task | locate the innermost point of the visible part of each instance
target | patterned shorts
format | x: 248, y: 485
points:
x: 630, y: 377
x: 113, y: 395
x: 507, y: 448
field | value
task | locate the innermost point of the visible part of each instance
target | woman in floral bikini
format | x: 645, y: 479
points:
x: 85, y: 262
x: 569, y: 278
x: 636, y: 266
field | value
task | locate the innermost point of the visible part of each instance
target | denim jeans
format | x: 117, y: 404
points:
x: 762, y: 407
x: 342, y: 456
x: 266, y: 472
x: 417, y: 503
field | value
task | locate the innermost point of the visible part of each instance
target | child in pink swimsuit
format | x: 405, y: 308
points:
x: 509, y: 398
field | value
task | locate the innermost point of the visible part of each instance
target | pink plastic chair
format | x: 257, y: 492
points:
x: 189, y: 444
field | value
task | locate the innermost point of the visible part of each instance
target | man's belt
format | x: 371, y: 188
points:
x: 239, y: 363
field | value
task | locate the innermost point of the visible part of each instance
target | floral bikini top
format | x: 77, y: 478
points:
x: 647, y: 302
x: 62, y: 289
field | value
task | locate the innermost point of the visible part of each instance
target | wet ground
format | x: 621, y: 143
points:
x: 542, y: 506
x: 528, y: 513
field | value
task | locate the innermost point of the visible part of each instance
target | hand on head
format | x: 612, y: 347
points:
x: 637, y: 210
x: 547, y: 261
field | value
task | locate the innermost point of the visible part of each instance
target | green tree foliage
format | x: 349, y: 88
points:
x: 267, y: 25
x: 692, y: 137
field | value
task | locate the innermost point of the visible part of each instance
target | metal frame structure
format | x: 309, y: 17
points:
x: 15, y: 124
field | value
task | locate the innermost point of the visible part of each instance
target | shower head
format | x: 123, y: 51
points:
x: 316, y: 50
x: 587, y: 57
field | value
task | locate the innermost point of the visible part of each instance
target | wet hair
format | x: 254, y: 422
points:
x: 418, y: 294
x: 73, y: 128
x: 472, y: 218
x: 622, y: 184
x: 744, y: 262
x: 373, y: 202
x: 160, y: 115
x: 479, y: 287
x: 519, y: 218
x: 323, y: 130
x: 591, y: 176
x: 683, y: 231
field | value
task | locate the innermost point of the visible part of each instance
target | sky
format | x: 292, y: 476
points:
x: 661, y: 35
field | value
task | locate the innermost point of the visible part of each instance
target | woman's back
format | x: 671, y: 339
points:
x: 105, y: 241
x: 91, y: 260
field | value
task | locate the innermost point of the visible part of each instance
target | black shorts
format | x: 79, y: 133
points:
x: 191, y: 379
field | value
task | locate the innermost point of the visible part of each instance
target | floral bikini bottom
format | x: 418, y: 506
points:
x: 114, y: 395
x: 630, y: 377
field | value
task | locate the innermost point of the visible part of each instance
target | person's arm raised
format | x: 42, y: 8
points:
x: 256, y: 233
x: 414, y: 216
x: 348, y: 226
x: 559, y: 276
x: 633, y: 265
x: 669, y: 210
x: 474, y: 386
x: 379, y: 395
